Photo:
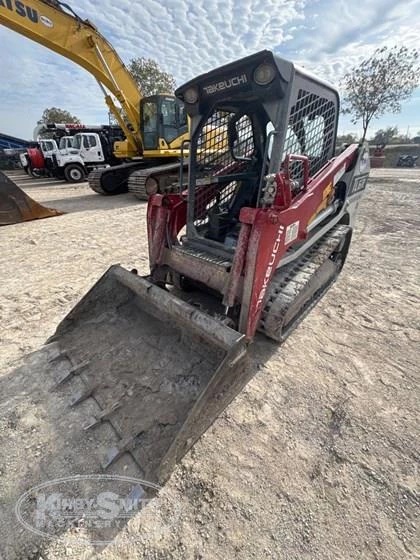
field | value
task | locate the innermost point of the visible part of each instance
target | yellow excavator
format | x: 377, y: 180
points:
x: 155, y: 127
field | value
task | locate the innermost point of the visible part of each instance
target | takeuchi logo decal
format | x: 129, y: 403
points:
x: 233, y: 82
x: 271, y: 264
x: 93, y: 509
x: 25, y: 11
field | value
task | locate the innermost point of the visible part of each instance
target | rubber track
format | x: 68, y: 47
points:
x: 289, y: 282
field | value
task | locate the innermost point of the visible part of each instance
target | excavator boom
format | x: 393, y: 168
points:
x: 155, y: 127
x: 55, y: 26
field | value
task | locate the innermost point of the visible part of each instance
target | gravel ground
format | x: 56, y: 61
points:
x: 316, y: 459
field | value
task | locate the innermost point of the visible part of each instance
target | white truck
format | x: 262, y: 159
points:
x: 74, y: 156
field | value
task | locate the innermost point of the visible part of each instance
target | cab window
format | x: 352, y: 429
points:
x: 169, y: 113
x: 182, y: 115
x: 89, y: 141
x: 314, y: 135
x: 77, y: 143
x: 150, y: 116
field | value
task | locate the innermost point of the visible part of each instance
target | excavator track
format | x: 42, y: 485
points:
x: 297, y: 288
x: 165, y: 175
x: 132, y: 177
x: 111, y: 181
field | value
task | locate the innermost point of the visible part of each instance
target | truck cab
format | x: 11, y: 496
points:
x: 75, y: 156
x: 88, y: 146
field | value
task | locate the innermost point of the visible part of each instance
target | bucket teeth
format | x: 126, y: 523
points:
x: 59, y: 356
x: 81, y: 396
x: 104, y: 415
x: 169, y: 368
x: 75, y: 370
x: 114, y: 453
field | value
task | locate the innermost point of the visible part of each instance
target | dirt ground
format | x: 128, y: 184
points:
x: 316, y: 459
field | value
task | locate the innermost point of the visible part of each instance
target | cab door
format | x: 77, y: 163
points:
x: 91, y: 149
x: 150, y: 123
x: 173, y: 119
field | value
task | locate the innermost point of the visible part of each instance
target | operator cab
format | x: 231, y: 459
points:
x: 163, y: 118
x: 245, y: 118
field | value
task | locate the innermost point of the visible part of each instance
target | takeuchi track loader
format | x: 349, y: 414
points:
x: 252, y: 239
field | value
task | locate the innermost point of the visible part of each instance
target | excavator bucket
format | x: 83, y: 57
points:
x: 16, y: 206
x: 160, y: 369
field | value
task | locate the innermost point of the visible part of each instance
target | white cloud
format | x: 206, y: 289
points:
x: 188, y: 37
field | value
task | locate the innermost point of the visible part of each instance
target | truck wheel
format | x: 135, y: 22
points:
x: 74, y: 173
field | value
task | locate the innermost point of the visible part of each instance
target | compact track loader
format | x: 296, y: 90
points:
x: 16, y: 206
x: 254, y: 236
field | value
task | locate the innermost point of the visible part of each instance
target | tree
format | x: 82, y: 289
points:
x: 150, y: 78
x: 346, y: 139
x: 384, y: 136
x: 380, y: 83
x: 56, y: 115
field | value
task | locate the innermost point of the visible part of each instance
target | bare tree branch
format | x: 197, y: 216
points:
x: 380, y: 84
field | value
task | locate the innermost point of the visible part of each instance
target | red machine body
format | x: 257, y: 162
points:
x: 265, y: 236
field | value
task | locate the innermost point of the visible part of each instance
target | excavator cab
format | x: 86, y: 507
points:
x: 163, y: 119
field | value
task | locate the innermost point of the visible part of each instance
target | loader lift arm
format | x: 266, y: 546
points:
x: 54, y: 25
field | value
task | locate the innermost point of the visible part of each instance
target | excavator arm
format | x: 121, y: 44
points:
x: 54, y: 25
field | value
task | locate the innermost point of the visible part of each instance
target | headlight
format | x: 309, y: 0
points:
x: 191, y: 95
x: 152, y: 186
x: 264, y: 74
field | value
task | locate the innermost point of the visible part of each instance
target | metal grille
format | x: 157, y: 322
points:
x: 310, y: 132
x: 214, y: 159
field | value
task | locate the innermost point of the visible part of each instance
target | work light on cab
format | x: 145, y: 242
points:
x: 264, y: 74
x: 191, y: 95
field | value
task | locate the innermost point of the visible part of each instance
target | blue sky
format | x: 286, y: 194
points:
x: 188, y: 37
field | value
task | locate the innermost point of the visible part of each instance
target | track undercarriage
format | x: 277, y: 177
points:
x: 133, y: 176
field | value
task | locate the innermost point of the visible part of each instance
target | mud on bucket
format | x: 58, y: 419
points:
x: 160, y: 369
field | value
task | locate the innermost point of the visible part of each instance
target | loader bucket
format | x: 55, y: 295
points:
x: 160, y: 369
x: 16, y: 206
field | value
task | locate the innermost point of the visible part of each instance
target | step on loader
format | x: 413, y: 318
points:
x: 16, y: 206
x: 256, y: 232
